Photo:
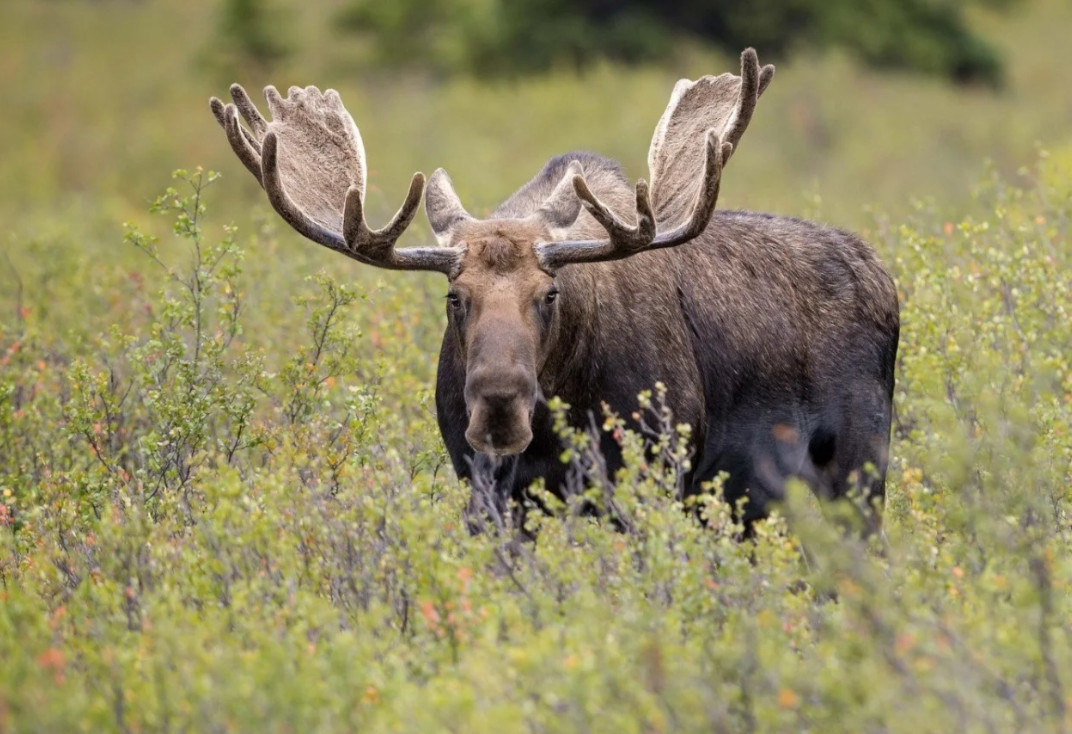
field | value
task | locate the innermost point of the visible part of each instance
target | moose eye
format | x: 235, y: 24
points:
x: 454, y: 300
x: 551, y: 296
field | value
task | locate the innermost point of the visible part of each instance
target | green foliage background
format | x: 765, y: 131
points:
x: 224, y: 504
x: 507, y: 37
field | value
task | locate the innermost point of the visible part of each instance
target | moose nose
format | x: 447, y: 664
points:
x: 499, y: 428
x: 500, y: 403
x: 491, y: 382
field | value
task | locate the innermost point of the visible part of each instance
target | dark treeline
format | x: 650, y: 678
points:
x: 511, y: 37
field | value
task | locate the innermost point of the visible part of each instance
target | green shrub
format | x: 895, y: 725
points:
x: 206, y: 527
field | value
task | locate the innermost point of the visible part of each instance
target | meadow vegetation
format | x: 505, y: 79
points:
x: 225, y: 505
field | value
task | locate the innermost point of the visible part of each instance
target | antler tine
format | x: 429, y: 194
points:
x: 355, y: 229
x: 766, y: 74
x: 627, y: 237
x: 242, y: 143
x: 754, y: 82
x: 624, y: 239
x: 377, y: 246
x: 217, y: 108
x: 250, y: 113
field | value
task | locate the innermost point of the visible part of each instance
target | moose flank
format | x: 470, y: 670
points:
x: 775, y: 337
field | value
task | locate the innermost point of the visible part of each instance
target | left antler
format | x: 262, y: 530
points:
x: 311, y: 162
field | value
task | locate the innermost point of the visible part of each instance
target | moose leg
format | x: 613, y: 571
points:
x: 758, y: 457
x: 849, y: 451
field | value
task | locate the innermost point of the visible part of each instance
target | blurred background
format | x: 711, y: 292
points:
x: 877, y: 104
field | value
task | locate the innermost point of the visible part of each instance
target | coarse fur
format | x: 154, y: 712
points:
x: 775, y: 338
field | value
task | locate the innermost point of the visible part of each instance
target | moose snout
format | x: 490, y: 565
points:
x: 500, y: 404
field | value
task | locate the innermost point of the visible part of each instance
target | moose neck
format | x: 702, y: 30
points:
x: 568, y: 354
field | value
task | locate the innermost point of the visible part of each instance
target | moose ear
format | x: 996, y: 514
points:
x: 443, y: 206
x: 561, y: 208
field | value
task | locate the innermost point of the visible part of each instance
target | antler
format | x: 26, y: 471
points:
x: 310, y: 160
x: 719, y: 109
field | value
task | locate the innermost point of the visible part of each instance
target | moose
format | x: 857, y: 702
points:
x: 775, y: 338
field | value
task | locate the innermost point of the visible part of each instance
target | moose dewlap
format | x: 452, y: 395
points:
x: 775, y: 337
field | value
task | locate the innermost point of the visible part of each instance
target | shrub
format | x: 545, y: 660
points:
x: 194, y: 538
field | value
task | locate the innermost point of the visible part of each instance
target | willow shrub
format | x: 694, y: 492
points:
x: 191, y: 541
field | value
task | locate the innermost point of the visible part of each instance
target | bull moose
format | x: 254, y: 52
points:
x: 775, y: 337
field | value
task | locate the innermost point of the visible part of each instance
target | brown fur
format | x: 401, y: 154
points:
x: 770, y: 334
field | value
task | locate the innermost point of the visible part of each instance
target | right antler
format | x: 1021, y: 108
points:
x: 716, y: 110
x: 311, y: 162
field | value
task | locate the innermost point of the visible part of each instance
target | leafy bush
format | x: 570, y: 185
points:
x: 199, y: 534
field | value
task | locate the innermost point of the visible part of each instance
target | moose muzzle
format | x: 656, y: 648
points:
x: 500, y: 401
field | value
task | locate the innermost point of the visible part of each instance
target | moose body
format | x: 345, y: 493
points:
x: 774, y: 337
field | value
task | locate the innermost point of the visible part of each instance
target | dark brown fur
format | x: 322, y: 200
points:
x: 775, y: 338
